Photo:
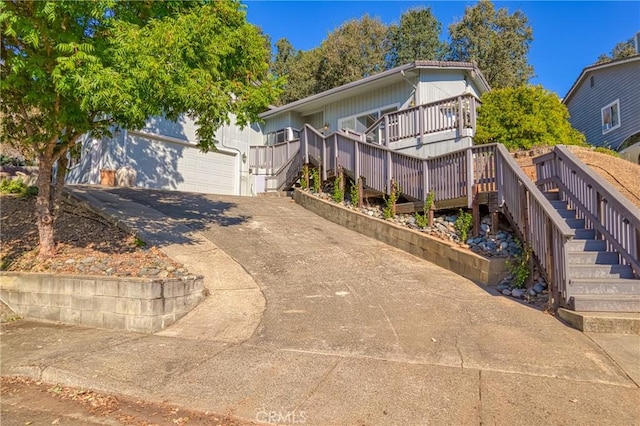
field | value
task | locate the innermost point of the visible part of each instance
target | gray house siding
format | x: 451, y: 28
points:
x: 441, y: 84
x: 617, y: 82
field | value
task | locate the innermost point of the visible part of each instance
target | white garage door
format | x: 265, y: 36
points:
x: 166, y: 164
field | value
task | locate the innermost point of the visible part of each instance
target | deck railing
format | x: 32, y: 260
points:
x: 490, y: 168
x: 272, y: 157
x: 604, y: 209
x: 456, y: 113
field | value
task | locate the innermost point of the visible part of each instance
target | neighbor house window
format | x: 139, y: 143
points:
x: 592, y: 82
x: 611, y: 116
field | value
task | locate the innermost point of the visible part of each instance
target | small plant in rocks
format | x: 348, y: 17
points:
x: 519, y: 267
x: 304, y: 182
x: 422, y: 220
x: 463, y: 225
x: 354, y: 193
x: 338, y: 193
x: 315, y: 180
x: 17, y: 186
x: 390, y: 201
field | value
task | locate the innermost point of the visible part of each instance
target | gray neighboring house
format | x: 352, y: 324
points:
x: 604, y: 103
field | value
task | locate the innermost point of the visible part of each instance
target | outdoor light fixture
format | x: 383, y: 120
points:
x: 244, y: 157
x: 326, y: 126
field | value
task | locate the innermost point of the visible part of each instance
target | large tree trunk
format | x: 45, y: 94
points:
x: 44, y: 207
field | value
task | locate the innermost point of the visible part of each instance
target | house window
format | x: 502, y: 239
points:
x: 611, y: 116
x: 361, y: 122
x: 591, y: 81
x: 282, y: 135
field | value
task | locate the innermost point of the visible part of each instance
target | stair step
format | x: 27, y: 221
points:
x: 575, y: 223
x: 585, y: 234
x: 600, y: 271
x: 581, y: 286
x: 586, y: 245
x: 567, y: 214
x: 559, y: 204
x: 552, y: 195
x: 605, y: 303
x: 594, y: 257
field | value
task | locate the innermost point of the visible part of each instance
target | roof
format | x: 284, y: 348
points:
x: 596, y: 67
x: 314, y: 102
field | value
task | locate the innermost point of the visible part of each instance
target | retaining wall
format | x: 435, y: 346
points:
x: 134, y: 304
x: 442, y: 253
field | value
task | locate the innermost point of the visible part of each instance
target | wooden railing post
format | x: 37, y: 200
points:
x: 473, y: 111
x: 425, y: 179
x: 386, y: 130
x: 389, y: 170
x: 360, y: 191
x: 421, y: 124
x: 306, y: 146
x: 335, y: 152
x: 287, y: 150
x: 470, y: 176
x: 550, y: 259
x: 273, y: 159
x: 323, y: 163
x: 356, y: 160
x: 460, y: 116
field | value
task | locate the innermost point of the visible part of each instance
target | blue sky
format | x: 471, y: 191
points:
x: 568, y: 35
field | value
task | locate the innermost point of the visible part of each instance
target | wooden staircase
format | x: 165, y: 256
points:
x: 598, y: 282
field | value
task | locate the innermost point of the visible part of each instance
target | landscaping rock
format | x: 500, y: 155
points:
x: 538, y: 288
x: 518, y: 293
x: 506, y: 292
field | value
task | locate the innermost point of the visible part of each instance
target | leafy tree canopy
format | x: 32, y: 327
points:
x: 355, y: 50
x: 417, y: 37
x: 624, y: 49
x: 496, y: 41
x: 523, y: 117
x: 69, y: 67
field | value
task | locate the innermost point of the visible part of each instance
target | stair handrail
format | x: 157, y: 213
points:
x: 602, y: 206
x: 538, y: 221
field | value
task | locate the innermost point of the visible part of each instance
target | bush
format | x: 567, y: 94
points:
x: 17, y: 186
x: 463, y: 225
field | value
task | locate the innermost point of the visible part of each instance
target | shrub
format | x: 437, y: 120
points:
x: 463, y: 225
x: 17, y: 186
x: 338, y: 193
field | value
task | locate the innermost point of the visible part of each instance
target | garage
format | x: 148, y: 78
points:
x: 163, y: 162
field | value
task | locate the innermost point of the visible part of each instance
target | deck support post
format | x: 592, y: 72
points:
x: 425, y: 180
x: 360, y: 184
x: 389, y: 172
x: 470, y: 176
x: 550, y: 257
x: 306, y: 175
x: 495, y: 221
x: 356, y: 160
x: 340, y: 177
x: 421, y: 124
x: 475, y: 213
x: 431, y: 214
x: 392, y: 194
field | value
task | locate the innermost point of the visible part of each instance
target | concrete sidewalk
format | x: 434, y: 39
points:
x: 352, y: 331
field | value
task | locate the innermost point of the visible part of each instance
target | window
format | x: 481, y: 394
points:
x: 360, y: 123
x: 282, y: 135
x: 611, y: 116
x: 591, y: 81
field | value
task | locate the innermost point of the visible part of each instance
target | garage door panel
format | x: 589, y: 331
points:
x: 170, y: 165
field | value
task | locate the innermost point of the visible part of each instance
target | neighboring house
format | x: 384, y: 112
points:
x: 164, y: 153
x: 604, y: 103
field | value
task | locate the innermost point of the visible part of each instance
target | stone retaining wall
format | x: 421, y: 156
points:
x: 463, y: 262
x: 133, y: 304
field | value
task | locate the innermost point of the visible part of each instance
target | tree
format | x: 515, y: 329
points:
x: 524, y: 117
x: 624, y: 49
x: 302, y: 78
x: 355, y: 50
x: 496, y: 41
x: 416, y: 38
x: 284, y: 57
x: 68, y: 68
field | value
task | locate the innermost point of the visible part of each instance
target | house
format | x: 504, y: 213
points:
x: 418, y: 108
x: 603, y: 102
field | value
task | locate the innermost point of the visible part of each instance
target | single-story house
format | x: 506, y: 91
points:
x: 164, y: 154
x: 603, y: 103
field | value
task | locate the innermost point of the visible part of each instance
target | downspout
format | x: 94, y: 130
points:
x: 239, y: 159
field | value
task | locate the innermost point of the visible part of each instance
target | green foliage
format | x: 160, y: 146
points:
x: 624, y: 49
x: 422, y: 220
x: 72, y: 67
x: 357, y: 49
x: 354, y: 193
x: 304, y: 181
x: 137, y: 242
x: 315, y: 180
x: 496, y: 41
x: 17, y: 186
x: 390, y: 201
x: 519, y: 266
x: 338, y: 193
x: 417, y: 37
x: 463, y: 225
x: 607, y: 151
x: 524, y: 117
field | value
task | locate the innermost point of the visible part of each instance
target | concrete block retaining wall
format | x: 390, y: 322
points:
x: 134, y: 304
x: 449, y: 256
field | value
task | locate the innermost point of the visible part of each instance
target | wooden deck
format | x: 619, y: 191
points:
x: 458, y: 177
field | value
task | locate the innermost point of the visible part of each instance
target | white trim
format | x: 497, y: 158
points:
x: 395, y: 105
x: 608, y: 108
x: 163, y: 138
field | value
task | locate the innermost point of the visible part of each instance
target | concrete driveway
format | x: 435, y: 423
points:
x: 352, y: 331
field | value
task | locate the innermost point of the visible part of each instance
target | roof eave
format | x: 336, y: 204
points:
x: 592, y: 68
